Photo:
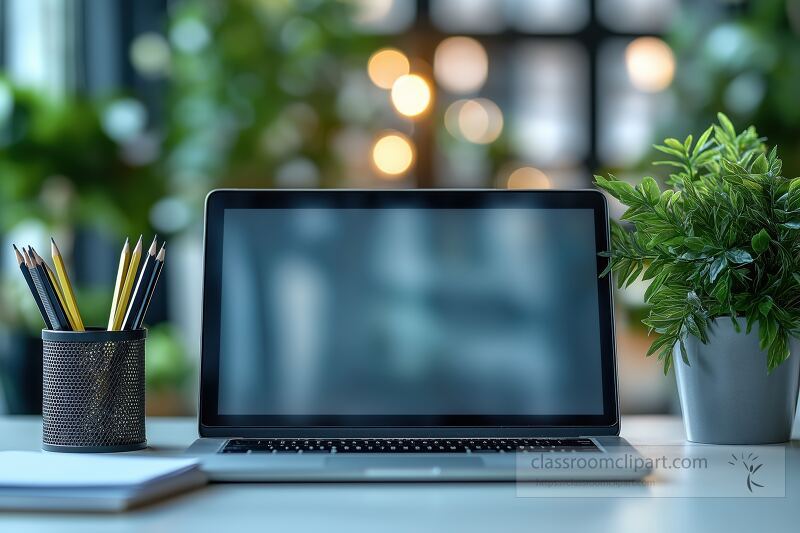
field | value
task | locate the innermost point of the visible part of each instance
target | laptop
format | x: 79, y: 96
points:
x: 353, y: 335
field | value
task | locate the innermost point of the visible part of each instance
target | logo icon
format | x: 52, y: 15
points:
x: 751, y: 466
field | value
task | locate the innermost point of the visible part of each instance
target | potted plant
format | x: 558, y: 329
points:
x: 720, y: 248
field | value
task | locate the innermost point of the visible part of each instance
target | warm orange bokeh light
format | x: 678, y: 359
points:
x: 650, y: 64
x: 528, y: 178
x: 393, y: 154
x: 386, y: 65
x: 411, y: 95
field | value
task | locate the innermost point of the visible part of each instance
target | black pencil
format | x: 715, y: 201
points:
x: 23, y: 267
x: 61, y: 322
x: 140, y: 291
x: 42, y: 291
x: 151, y: 287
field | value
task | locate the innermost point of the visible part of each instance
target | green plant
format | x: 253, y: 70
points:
x: 722, y: 241
x: 259, y: 92
x: 59, y: 166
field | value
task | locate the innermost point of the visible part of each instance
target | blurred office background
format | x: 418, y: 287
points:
x: 117, y: 117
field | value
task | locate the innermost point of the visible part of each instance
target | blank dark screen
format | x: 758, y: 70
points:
x: 409, y: 311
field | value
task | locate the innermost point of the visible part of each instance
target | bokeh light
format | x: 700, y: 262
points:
x: 393, y: 154
x: 386, y: 65
x: 411, y: 95
x: 460, y: 65
x: 300, y: 172
x: 480, y: 121
x: 150, y: 55
x: 745, y: 92
x: 371, y: 11
x: 451, y: 118
x: 190, y: 36
x: 170, y: 214
x: 124, y: 119
x: 528, y: 178
x: 650, y: 64
x: 477, y: 120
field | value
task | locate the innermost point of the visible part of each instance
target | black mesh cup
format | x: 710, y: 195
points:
x: 93, y: 390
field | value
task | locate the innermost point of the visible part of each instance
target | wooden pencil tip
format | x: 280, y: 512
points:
x: 153, y: 246
x: 19, y: 255
x: 161, y: 254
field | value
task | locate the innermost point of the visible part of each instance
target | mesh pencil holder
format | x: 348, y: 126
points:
x: 93, y: 390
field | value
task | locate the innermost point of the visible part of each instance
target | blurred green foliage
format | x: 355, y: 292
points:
x: 254, y: 85
x: 60, y: 167
x: 743, y: 60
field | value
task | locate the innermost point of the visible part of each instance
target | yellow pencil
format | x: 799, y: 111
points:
x: 125, y: 294
x: 57, y: 290
x: 66, y: 288
x: 122, y: 271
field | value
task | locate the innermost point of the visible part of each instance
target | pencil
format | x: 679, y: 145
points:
x: 49, y: 301
x: 151, y: 287
x: 125, y: 294
x: 54, y: 283
x: 60, y: 310
x: 139, y: 293
x: 23, y: 267
x: 66, y: 287
x: 40, y: 290
x: 122, y: 270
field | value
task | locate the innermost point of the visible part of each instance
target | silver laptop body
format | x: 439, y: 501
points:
x: 413, y: 335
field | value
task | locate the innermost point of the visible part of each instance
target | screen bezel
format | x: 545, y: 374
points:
x: 212, y: 423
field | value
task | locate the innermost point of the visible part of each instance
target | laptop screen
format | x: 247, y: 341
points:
x: 401, y: 312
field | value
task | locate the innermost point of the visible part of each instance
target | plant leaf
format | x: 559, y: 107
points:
x: 720, y: 241
x: 716, y: 267
x: 651, y: 190
x: 760, y: 241
x: 765, y: 305
x: 738, y: 256
x: 760, y: 165
x: 727, y: 125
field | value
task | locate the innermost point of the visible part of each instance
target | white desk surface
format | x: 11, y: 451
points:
x: 413, y: 506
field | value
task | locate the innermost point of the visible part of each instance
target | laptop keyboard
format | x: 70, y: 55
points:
x: 330, y: 446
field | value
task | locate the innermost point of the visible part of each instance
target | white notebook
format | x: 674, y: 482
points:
x: 84, y: 482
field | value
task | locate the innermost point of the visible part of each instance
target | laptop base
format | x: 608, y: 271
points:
x: 336, y: 467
